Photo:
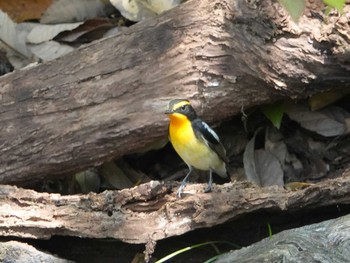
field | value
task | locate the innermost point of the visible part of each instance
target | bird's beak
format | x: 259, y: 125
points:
x: 168, y: 111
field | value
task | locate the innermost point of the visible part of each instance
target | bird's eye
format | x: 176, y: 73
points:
x: 183, y: 107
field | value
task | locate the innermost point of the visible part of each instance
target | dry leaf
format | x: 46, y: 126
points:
x: 321, y: 100
x: 50, y: 50
x: 274, y: 144
x: 249, y: 162
x: 115, y: 176
x: 137, y: 10
x: 88, y: 181
x: 328, y: 122
x: 14, y: 35
x: 261, y: 167
x: 42, y: 33
x: 88, y: 31
x: 268, y: 168
x: 67, y: 11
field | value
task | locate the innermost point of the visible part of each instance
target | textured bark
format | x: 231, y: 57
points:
x: 14, y: 251
x: 151, y: 211
x: 106, y: 99
x: 326, y: 242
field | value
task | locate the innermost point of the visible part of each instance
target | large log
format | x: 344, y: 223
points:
x: 151, y: 211
x: 106, y: 99
x: 326, y: 242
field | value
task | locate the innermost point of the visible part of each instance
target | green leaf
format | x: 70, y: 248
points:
x: 337, y: 4
x: 295, y: 8
x: 274, y: 112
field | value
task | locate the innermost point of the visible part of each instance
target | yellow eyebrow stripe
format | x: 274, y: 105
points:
x: 180, y: 104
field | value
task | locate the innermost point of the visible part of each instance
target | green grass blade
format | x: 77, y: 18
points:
x: 269, y: 229
x: 164, y: 259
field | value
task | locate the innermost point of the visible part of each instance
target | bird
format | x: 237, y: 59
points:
x: 195, y: 142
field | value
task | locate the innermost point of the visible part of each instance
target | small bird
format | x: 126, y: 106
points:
x: 196, y: 143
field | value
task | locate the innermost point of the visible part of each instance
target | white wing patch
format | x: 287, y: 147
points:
x: 206, y: 126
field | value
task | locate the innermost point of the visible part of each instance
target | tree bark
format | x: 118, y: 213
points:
x: 326, y: 242
x: 106, y: 99
x: 151, y: 211
x: 14, y: 251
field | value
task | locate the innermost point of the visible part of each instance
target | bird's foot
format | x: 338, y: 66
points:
x: 208, y: 189
x: 180, y: 190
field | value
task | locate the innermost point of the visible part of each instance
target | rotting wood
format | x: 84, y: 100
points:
x: 151, y: 211
x: 106, y: 99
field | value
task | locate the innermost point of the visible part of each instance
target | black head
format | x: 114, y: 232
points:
x: 181, y: 106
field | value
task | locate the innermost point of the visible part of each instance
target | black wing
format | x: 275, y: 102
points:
x: 204, y: 133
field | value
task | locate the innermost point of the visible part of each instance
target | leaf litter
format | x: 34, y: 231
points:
x: 57, y: 27
x: 301, y: 145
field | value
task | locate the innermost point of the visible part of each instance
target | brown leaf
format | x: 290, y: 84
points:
x: 23, y: 10
x: 90, y: 30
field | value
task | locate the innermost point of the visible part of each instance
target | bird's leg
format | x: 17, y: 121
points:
x: 208, y: 189
x: 183, y: 183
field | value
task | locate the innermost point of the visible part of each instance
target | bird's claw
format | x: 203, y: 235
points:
x: 180, y: 190
x: 207, y: 189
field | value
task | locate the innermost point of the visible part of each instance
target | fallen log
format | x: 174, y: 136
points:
x: 310, y: 243
x: 106, y: 99
x: 13, y: 251
x: 151, y: 211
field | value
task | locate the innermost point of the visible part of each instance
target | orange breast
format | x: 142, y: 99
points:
x: 193, y: 151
